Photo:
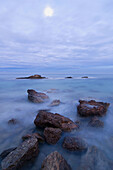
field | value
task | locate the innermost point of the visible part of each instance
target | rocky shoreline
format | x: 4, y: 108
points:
x: 53, y: 125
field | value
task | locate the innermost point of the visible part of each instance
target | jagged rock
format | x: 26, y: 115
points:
x: 13, y: 121
x: 95, y: 159
x: 55, y: 161
x: 48, y: 119
x: 85, y: 77
x: 74, y: 144
x: 52, y: 135
x: 36, y: 76
x: 92, y: 108
x: 55, y: 103
x: 95, y: 122
x: 36, y: 135
x: 6, y: 152
x: 24, y: 152
x: 36, y: 97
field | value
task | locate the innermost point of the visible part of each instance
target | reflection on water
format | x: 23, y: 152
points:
x: 14, y: 104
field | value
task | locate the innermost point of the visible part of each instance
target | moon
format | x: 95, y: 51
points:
x: 48, y: 12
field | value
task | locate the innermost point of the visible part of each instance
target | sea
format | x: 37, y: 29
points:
x: 14, y: 103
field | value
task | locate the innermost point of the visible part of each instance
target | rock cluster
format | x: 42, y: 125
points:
x: 36, y: 76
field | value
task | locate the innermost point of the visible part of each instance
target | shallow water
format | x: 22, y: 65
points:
x: 14, y: 104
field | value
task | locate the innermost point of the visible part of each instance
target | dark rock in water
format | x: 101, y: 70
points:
x: 74, y: 144
x: 55, y: 161
x: 95, y: 159
x: 55, y: 103
x: 95, y: 122
x: 36, y: 97
x: 48, y: 119
x: 69, y: 77
x: 85, y: 77
x: 25, y: 152
x: 6, y: 152
x: 36, y: 76
x: 13, y: 121
x: 92, y: 108
x: 52, y: 135
x: 36, y: 135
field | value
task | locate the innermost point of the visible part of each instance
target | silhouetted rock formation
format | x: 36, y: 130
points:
x: 36, y: 76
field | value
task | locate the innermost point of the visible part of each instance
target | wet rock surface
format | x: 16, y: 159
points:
x: 95, y: 159
x: 6, y: 152
x: 48, y: 119
x: 24, y: 152
x: 36, y: 76
x: 55, y: 161
x: 92, y: 108
x: 36, y: 97
x: 52, y: 135
x: 55, y: 103
x: 74, y: 144
x: 36, y: 135
x: 95, y: 122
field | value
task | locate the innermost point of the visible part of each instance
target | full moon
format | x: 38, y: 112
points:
x: 48, y: 12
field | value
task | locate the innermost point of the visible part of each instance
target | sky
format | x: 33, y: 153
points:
x: 77, y: 38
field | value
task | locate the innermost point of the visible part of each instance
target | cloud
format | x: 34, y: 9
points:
x: 78, y: 35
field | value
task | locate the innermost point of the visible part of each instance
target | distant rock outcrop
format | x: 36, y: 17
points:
x: 55, y: 161
x: 84, y: 77
x: 69, y: 77
x: 36, y: 97
x: 92, y: 108
x: 48, y: 119
x: 36, y: 76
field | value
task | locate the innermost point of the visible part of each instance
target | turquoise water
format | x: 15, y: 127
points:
x: 14, y: 104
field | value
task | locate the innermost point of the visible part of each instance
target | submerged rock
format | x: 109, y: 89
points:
x: 36, y: 76
x: 36, y: 135
x: 95, y: 122
x: 6, y: 152
x: 74, y: 144
x: 48, y: 119
x: 55, y: 161
x: 13, y: 121
x: 36, y: 97
x: 55, y: 103
x: 52, y: 135
x: 92, y: 108
x: 95, y: 159
x: 25, y: 152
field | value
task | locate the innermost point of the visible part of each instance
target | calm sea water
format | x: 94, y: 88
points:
x: 14, y: 104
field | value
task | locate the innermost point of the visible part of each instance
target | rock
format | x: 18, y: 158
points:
x: 48, y: 119
x: 95, y: 159
x: 52, y: 135
x: 25, y: 152
x: 85, y: 77
x: 36, y: 76
x: 36, y: 135
x: 95, y: 122
x: 69, y: 77
x: 55, y: 161
x: 13, y: 121
x: 55, y: 103
x: 74, y: 144
x: 36, y: 97
x: 92, y: 108
x: 6, y: 152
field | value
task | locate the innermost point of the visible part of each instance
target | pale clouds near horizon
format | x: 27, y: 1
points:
x: 80, y: 34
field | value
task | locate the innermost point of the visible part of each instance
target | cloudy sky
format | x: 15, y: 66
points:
x: 77, y: 38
